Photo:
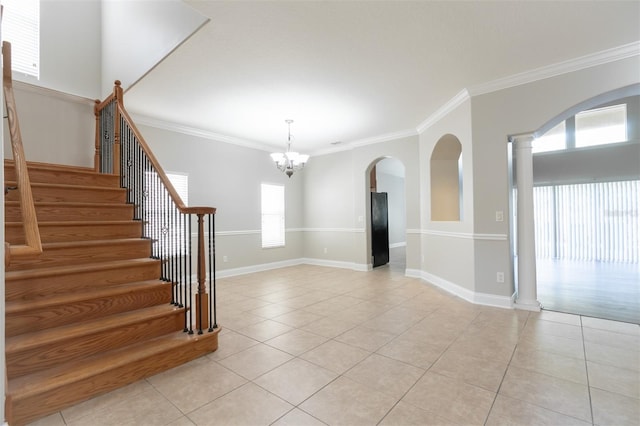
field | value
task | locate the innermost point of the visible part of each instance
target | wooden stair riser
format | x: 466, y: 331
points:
x: 72, y: 330
x: 23, y: 318
x: 53, y: 232
x: 65, y: 175
x: 75, y: 347
x: 70, y: 194
x: 20, y: 286
x: 83, y: 253
x: 47, y: 212
x: 105, y: 377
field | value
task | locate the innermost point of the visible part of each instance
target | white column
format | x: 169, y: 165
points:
x: 527, y: 291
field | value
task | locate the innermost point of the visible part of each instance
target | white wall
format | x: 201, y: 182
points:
x: 137, y: 35
x: 55, y: 127
x: 70, y: 38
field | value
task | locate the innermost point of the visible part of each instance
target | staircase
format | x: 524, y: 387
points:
x: 90, y: 314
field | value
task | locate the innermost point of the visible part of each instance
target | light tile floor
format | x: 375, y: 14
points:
x: 310, y: 345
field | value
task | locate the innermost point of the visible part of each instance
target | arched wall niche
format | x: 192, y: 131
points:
x: 446, y: 184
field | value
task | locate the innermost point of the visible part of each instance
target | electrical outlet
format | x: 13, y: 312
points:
x: 500, y: 277
x: 499, y: 216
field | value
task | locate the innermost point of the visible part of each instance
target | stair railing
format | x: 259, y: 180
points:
x: 167, y: 222
x: 33, y: 244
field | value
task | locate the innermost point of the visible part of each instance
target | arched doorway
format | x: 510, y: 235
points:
x: 387, y: 176
x: 583, y: 190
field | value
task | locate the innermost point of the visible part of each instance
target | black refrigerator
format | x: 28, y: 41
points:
x: 379, y: 229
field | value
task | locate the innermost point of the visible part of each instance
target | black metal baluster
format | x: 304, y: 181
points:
x: 190, y: 277
x: 213, y: 323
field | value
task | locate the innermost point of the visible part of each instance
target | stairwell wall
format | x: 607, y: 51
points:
x: 56, y: 127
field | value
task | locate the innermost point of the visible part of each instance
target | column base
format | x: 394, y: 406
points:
x: 528, y: 305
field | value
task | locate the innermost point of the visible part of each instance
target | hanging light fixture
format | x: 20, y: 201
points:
x: 289, y: 161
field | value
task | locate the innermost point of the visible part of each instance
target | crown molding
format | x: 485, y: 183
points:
x: 599, y: 58
x: 347, y: 146
x: 572, y: 65
x: 445, y: 109
x: 193, y: 131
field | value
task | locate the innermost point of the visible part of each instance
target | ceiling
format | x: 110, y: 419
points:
x: 351, y: 72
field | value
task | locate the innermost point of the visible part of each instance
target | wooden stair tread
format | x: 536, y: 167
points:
x: 28, y: 341
x: 77, y: 222
x: 72, y: 204
x: 8, y: 162
x: 57, y: 270
x: 91, y: 243
x: 68, y: 373
x: 14, y: 307
x: 69, y: 186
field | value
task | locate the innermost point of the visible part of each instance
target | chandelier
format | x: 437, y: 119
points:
x: 289, y: 161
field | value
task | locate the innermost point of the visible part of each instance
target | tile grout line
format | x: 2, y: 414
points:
x: 586, y: 369
x: 505, y: 371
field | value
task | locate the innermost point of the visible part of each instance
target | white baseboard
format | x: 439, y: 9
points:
x: 396, y: 245
x: 338, y: 264
x: 223, y: 273
x: 476, y: 298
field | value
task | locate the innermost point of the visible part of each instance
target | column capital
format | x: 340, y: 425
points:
x: 522, y: 138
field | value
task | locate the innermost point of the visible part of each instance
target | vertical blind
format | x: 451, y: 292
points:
x: 272, y: 215
x: 588, y: 222
x: 21, y: 28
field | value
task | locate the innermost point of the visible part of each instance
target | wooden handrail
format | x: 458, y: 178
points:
x: 117, y: 96
x: 33, y: 244
x: 121, y: 150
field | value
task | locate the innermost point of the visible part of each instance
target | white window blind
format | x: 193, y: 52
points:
x: 181, y: 184
x: 588, y: 222
x: 21, y: 28
x: 272, y: 215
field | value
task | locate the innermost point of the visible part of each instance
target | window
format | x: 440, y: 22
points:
x: 553, y: 140
x: 21, y: 27
x: 601, y: 126
x: 180, y: 183
x: 595, y: 222
x: 272, y: 215
x: 161, y: 224
x: 597, y: 126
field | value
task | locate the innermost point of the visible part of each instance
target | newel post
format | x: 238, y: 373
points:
x: 96, y: 155
x: 202, y: 298
x: 118, y: 96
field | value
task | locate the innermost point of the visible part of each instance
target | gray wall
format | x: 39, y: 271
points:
x: 228, y: 177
